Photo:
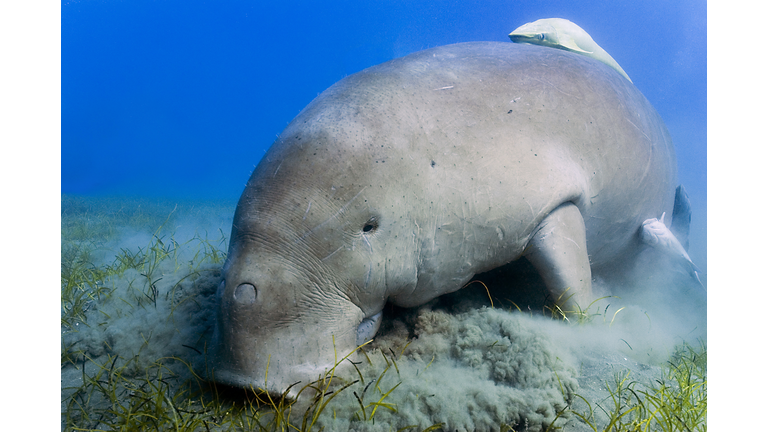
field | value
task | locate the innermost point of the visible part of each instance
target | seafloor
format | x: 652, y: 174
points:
x: 138, y: 278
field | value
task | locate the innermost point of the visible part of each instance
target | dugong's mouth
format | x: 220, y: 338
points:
x: 368, y: 328
x: 275, y: 388
x: 265, y: 364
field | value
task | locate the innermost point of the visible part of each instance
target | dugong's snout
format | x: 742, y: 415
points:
x: 260, y: 342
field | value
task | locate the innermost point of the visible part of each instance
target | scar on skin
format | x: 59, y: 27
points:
x: 572, y: 241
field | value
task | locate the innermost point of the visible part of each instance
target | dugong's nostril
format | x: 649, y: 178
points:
x: 245, y: 294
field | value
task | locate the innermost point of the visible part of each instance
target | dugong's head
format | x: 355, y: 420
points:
x: 310, y: 263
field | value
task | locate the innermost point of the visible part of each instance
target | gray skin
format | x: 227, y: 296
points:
x: 401, y: 182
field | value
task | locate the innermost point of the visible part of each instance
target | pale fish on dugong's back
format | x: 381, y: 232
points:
x: 563, y: 34
x: 401, y: 182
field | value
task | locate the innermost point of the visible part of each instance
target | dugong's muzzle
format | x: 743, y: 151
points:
x: 279, y: 355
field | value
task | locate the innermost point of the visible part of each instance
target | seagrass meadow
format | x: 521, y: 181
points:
x: 160, y: 106
x: 138, y: 279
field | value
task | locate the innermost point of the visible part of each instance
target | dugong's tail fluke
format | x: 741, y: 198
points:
x: 681, y: 216
x: 562, y: 34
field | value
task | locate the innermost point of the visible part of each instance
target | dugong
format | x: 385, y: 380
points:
x: 402, y: 181
x: 563, y: 34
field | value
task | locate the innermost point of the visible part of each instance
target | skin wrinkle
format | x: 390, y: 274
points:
x: 297, y: 250
x: 270, y: 246
x: 315, y: 295
x: 321, y: 273
x: 303, y: 268
x: 341, y: 210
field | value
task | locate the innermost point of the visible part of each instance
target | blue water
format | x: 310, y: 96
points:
x: 181, y: 98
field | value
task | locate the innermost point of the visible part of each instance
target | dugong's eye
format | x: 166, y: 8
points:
x: 540, y: 36
x: 370, y: 226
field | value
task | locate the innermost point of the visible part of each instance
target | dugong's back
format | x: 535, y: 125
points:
x: 521, y: 127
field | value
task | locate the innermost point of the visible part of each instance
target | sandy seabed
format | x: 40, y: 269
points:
x: 138, y: 284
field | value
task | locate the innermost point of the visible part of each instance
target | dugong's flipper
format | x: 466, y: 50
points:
x: 654, y: 233
x: 558, y: 251
x: 565, y: 35
x: 681, y: 217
